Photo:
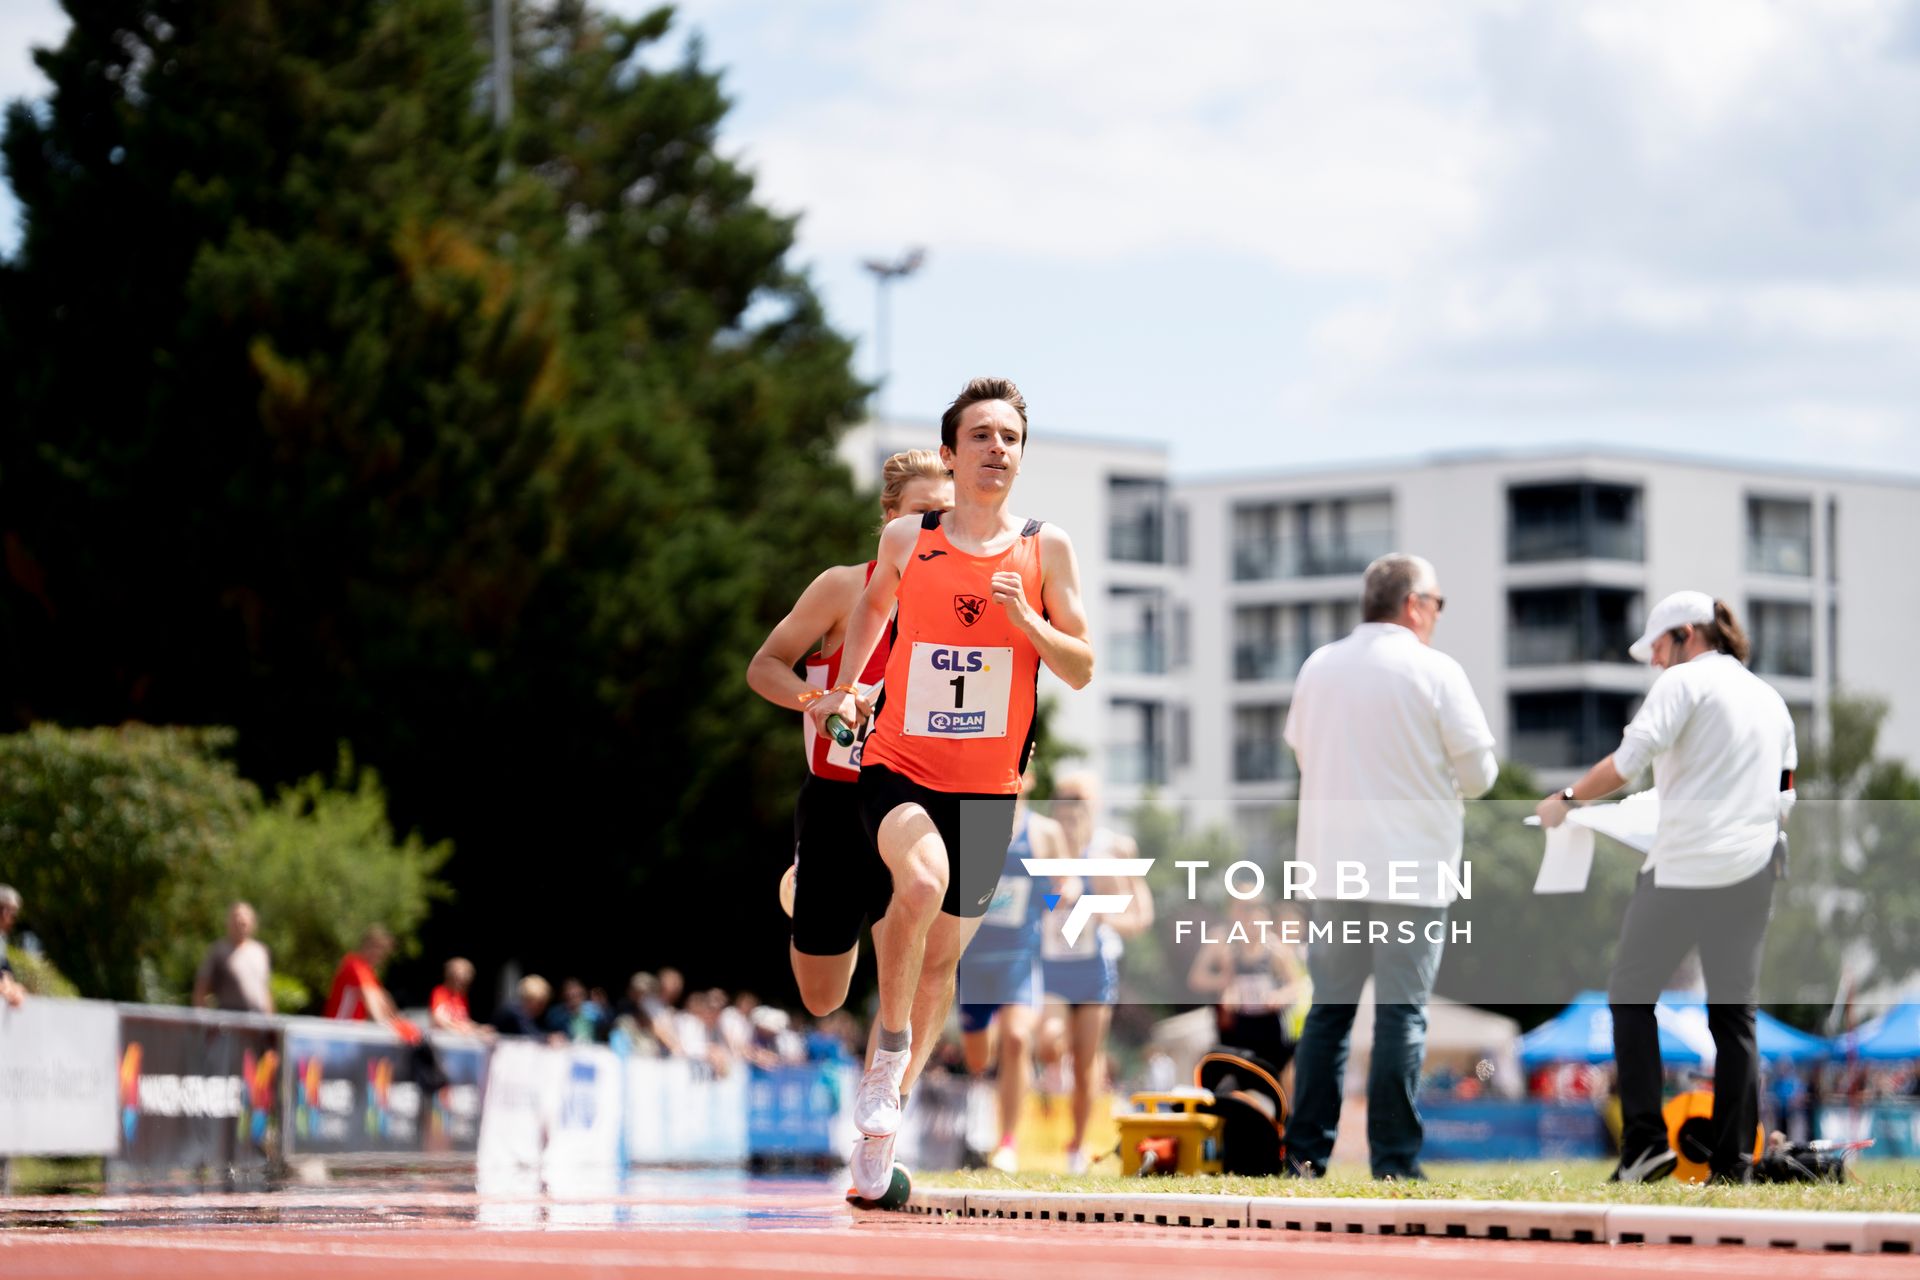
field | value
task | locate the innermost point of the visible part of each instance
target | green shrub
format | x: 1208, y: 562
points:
x: 129, y: 844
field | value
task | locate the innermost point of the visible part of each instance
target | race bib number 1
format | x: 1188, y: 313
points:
x: 957, y: 692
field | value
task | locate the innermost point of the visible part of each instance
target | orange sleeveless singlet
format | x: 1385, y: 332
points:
x: 957, y: 712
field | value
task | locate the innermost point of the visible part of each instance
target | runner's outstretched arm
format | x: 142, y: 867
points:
x: 1060, y: 636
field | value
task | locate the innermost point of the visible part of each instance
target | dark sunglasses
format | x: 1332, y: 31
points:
x: 1439, y: 602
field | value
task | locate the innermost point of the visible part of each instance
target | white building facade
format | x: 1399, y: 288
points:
x: 1206, y: 595
x: 1548, y: 563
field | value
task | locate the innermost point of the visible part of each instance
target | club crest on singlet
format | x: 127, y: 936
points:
x: 969, y: 609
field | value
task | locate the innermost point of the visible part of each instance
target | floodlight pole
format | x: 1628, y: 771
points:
x: 885, y: 272
x: 502, y: 63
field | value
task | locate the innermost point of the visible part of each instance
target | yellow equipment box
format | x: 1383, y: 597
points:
x: 1168, y: 1136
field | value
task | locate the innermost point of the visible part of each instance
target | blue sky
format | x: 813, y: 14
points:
x: 1295, y: 233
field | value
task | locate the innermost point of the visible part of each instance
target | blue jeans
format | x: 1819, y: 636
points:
x: 1403, y: 970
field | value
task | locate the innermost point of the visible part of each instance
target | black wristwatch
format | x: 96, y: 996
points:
x: 1566, y: 798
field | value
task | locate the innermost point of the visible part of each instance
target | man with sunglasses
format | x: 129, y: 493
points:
x: 1390, y: 738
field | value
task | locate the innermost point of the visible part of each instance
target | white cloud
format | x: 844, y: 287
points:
x: 24, y: 24
x: 1304, y: 134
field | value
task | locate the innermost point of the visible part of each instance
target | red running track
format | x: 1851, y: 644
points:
x: 720, y: 1230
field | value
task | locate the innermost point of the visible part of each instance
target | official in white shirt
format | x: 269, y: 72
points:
x: 1389, y: 738
x: 1721, y: 745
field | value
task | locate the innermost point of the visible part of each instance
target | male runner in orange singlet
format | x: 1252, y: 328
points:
x: 980, y: 598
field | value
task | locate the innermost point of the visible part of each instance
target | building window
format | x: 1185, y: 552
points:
x: 1570, y: 729
x: 1310, y: 539
x: 1177, y: 552
x: 1136, y: 743
x: 1780, y: 537
x: 1182, y: 653
x: 1575, y: 521
x: 1182, y: 736
x: 1271, y: 641
x: 1782, y: 635
x: 1571, y: 624
x: 1259, y: 752
x: 1136, y: 640
x: 1136, y: 520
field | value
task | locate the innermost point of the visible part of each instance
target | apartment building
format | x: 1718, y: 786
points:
x: 1206, y: 595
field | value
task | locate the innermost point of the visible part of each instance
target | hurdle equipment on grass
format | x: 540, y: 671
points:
x: 1178, y: 1140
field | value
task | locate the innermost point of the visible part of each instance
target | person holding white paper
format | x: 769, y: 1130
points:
x: 1722, y: 749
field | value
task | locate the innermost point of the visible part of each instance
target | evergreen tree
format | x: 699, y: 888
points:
x: 340, y: 416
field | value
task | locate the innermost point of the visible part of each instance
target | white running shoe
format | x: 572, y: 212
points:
x: 872, y: 1166
x: 876, y: 1108
x: 1005, y: 1159
x: 1076, y: 1160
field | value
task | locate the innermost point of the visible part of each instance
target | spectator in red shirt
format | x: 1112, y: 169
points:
x: 448, y: 1004
x: 357, y: 994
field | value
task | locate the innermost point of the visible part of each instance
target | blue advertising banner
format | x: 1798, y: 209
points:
x: 1499, y: 1130
x: 791, y: 1110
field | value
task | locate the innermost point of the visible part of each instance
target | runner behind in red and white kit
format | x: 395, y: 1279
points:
x: 983, y: 597
x: 843, y: 881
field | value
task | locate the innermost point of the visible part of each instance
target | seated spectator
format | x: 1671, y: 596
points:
x: 10, y: 989
x: 236, y: 973
x: 357, y: 994
x: 577, y: 1018
x: 522, y: 1016
x: 447, y: 1006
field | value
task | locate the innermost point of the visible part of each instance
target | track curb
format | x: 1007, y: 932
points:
x: 1870, y: 1233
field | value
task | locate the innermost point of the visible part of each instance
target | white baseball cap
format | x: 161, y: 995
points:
x: 1681, y: 609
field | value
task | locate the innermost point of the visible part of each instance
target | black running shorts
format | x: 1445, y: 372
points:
x: 976, y: 829
x: 841, y: 880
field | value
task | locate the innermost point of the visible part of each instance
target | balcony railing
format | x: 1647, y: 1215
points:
x: 1258, y: 561
x: 1773, y: 659
x: 1136, y: 765
x: 1789, y: 555
x: 1542, y: 646
x: 1536, y: 646
x: 1261, y: 762
x: 1549, y: 749
x: 1266, y: 662
x: 1137, y: 542
x: 1526, y: 545
x: 1135, y: 655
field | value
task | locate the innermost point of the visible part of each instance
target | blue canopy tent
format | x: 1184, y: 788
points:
x: 1893, y: 1036
x: 1583, y: 1032
x: 1776, y: 1041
